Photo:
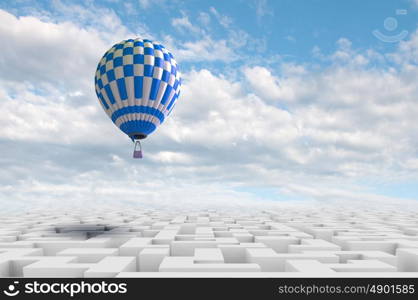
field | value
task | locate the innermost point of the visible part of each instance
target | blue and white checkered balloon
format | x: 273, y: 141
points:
x: 137, y: 83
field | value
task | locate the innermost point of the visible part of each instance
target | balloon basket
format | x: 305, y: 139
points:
x: 137, y: 154
x: 137, y: 150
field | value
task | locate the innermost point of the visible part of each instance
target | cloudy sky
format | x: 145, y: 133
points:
x: 282, y: 101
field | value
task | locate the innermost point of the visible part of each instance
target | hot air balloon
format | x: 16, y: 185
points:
x: 137, y: 83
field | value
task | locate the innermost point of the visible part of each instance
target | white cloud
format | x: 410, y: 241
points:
x: 290, y: 38
x: 224, y: 20
x: 144, y: 3
x: 264, y: 83
x: 46, y: 77
x: 262, y: 9
x: 205, y: 49
x: 200, y: 45
x: 101, y: 19
x: 184, y: 25
x: 35, y: 118
x: 147, y: 4
x: 204, y: 18
x: 172, y: 157
x: 59, y: 54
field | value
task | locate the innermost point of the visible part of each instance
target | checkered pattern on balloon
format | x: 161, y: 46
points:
x: 137, y: 83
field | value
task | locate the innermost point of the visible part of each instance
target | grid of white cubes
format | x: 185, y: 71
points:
x: 311, y: 242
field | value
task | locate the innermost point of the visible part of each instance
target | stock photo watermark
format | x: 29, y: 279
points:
x: 71, y: 289
x: 390, y: 25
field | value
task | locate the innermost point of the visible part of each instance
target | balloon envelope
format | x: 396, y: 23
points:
x: 137, y: 83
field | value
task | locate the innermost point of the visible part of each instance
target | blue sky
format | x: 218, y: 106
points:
x: 289, y: 29
x: 282, y: 101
